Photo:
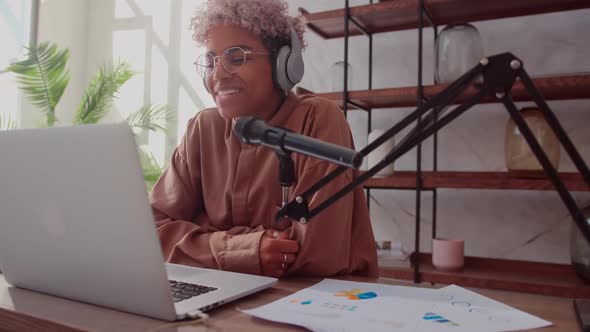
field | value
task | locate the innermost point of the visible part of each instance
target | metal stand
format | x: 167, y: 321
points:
x: 499, y: 74
x: 286, y: 173
x: 582, y: 307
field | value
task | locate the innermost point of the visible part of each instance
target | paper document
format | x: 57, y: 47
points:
x: 336, y: 305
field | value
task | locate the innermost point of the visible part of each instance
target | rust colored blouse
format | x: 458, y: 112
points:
x: 218, y: 195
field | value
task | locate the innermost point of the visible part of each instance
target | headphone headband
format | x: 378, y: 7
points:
x: 288, y: 67
x: 295, y: 43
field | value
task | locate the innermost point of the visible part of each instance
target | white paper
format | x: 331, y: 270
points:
x: 336, y: 305
x: 499, y: 316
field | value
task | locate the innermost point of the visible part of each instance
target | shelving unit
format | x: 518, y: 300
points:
x: 475, y: 180
x: 396, y: 15
x: 573, y: 86
x: 503, y: 274
x: 388, y: 16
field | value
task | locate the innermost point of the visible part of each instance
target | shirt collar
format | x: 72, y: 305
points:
x: 278, y: 119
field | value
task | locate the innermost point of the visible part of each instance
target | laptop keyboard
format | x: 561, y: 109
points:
x: 184, y: 290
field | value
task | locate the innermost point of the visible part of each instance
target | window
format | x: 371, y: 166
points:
x: 17, y: 17
x: 154, y: 37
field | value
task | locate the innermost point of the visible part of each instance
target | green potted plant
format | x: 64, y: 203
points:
x: 43, y: 78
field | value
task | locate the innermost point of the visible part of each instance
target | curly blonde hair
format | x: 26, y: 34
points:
x: 266, y: 19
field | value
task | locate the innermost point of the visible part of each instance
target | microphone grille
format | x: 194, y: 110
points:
x: 240, y: 127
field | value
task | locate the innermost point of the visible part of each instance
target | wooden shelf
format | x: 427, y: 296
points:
x: 396, y: 15
x: 511, y: 275
x: 552, y: 88
x: 475, y: 180
x: 403, y: 14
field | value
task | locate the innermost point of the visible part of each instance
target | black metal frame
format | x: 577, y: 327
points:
x: 424, y: 18
x: 345, y: 97
x: 422, y: 15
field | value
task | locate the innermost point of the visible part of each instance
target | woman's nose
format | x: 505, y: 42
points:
x: 219, y: 71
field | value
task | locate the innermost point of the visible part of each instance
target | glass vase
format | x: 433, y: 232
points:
x: 458, y: 49
x: 337, y: 76
x: 580, y: 249
x: 519, y: 156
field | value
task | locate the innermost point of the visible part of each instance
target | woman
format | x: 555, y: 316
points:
x: 215, y: 203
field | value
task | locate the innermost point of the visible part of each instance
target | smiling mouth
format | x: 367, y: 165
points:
x: 228, y: 92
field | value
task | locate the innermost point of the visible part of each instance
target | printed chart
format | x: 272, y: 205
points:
x: 336, y: 305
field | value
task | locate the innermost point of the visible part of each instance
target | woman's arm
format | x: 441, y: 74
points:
x: 187, y: 235
x: 185, y: 231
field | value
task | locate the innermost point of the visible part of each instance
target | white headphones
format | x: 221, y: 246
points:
x: 289, y: 63
x: 288, y: 68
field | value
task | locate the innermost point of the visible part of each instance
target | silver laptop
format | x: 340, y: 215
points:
x: 75, y: 222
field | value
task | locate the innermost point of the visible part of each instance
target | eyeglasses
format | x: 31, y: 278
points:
x: 232, y: 59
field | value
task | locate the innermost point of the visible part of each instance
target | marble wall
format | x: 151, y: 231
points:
x: 525, y: 225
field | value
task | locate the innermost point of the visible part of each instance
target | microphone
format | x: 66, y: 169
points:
x: 252, y: 130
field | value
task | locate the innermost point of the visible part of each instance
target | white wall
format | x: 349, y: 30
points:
x: 15, y: 31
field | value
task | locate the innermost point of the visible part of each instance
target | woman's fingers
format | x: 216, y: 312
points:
x: 288, y: 258
x: 277, y: 252
x: 277, y: 258
x: 274, y: 264
x: 275, y: 234
x: 286, y: 246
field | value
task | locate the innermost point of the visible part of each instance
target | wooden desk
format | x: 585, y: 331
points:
x: 22, y: 310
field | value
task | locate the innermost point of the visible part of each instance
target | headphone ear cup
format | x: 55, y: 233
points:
x: 281, y: 74
x: 289, y: 63
x: 295, y: 67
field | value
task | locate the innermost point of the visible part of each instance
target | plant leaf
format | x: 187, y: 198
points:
x: 43, y: 76
x: 7, y: 122
x: 98, y: 98
x: 151, y: 170
x: 150, y: 117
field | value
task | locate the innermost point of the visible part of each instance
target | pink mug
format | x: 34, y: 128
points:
x: 448, y: 254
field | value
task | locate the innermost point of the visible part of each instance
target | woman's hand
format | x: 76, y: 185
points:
x: 277, y: 252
